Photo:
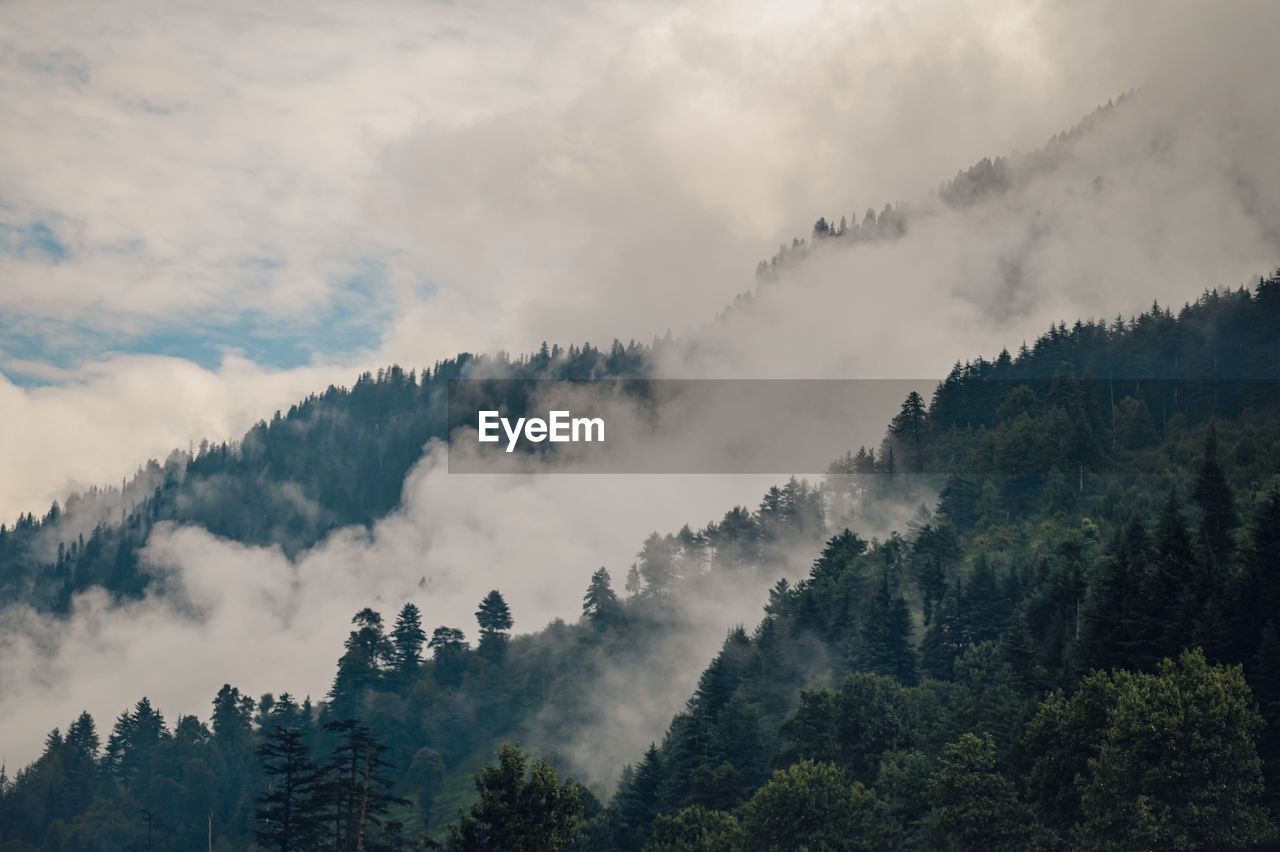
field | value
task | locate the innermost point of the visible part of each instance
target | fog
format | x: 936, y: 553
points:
x: 578, y: 172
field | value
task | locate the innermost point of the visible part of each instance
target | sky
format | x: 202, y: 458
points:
x: 208, y: 211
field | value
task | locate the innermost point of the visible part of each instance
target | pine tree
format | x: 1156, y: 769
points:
x: 287, y: 815
x: 494, y: 618
x: 885, y: 634
x: 449, y: 648
x: 600, y: 604
x: 638, y: 800
x: 1171, y: 597
x: 1213, y: 496
x: 352, y: 794
x: 1255, y: 589
x: 657, y: 564
x: 368, y: 650
x: 80, y: 763
x: 407, y: 639
x: 908, y: 431
x: 634, y: 582
x: 232, y: 718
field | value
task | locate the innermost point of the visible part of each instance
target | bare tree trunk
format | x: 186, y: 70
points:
x: 364, y: 796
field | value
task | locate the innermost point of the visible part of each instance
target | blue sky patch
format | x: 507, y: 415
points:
x: 33, y: 242
x: 352, y: 319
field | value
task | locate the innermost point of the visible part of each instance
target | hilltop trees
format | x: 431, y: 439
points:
x: 494, y: 618
x: 449, y: 649
x: 407, y: 639
x: 600, y: 603
x: 368, y: 651
x: 907, y: 432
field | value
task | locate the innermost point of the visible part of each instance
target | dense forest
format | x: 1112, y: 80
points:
x: 1075, y: 647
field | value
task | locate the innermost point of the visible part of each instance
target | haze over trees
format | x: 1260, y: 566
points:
x: 1074, y: 648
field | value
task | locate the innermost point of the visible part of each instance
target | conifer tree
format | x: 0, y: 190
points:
x: 600, y: 603
x: 449, y: 651
x: 407, y: 639
x: 368, y: 651
x: 1217, y: 505
x: 287, y: 817
x: 494, y: 618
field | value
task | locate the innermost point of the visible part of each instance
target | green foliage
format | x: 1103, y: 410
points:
x: 976, y: 806
x: 1163, y: 760
x: 1213, y: 496
x: 697, y: 829
x: 810, y: 806
x: 903, y: 785
x: 407, y: 639
x: 1176, y: 766
x: 368, y: 654
x: 523, y: 807
x: 494, y: 616
x: 854, y: 728
x: 288, y: 814
x: 1055, y: 565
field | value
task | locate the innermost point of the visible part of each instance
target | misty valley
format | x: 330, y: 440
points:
x: 1033, y: 605
x: 1017, y: 664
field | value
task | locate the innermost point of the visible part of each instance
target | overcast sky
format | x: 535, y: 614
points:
x: 208, y: 211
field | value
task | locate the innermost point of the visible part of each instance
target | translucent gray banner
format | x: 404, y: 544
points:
x: 811, y: 426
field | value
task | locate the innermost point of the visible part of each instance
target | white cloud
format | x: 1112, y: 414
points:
x: 100, y: 424
x: 566, y: 172
x: 561, y: 171
x: 266, y: 624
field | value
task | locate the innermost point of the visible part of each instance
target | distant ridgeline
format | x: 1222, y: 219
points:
x: 985, y: 179
x: 341, y: 457
x: 1086, y: 657
x: 335, y: 459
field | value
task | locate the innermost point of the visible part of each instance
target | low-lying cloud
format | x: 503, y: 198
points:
x: 586, y: 171
x: 252, y: 617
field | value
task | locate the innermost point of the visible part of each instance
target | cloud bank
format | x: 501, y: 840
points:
x: 482, y: 176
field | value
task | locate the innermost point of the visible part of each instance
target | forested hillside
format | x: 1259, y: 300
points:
x: 1077, y: 650
x: 1074, y: 648
x: 335, y: 459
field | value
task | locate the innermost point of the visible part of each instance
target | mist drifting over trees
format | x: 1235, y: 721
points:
x: 1027, y: 603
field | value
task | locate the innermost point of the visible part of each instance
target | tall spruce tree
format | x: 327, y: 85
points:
x: 1217, y: 505
x: 407, y: 639
x: 288, y: 816
x: 494, y: 618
